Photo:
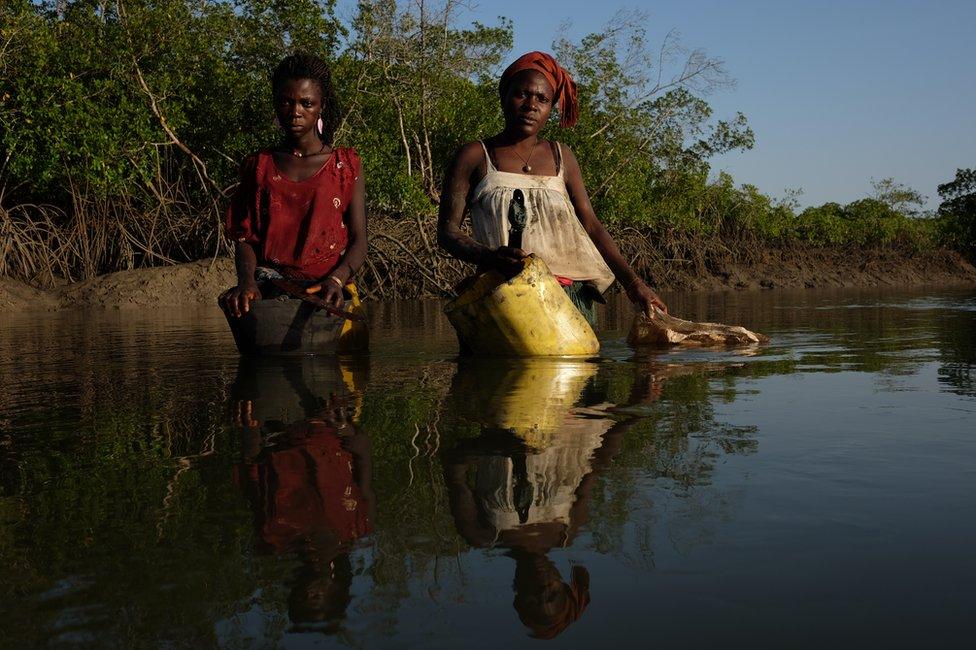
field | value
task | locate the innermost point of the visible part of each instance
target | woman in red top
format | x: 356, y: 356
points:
x: 299, y: 211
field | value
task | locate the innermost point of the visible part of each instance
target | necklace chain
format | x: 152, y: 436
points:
x: 526, y: 167
x: 298, y: 153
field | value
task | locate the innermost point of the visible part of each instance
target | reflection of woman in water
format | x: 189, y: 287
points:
x: 527, y: 488
x: 308, y: 483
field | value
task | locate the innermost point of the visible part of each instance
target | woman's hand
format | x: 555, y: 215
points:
x: 506, y: 260
x: 237, y: 300
x: 330, y: 291
x: 644, y: 297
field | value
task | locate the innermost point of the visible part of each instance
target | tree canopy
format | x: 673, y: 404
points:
x: 122, y: 123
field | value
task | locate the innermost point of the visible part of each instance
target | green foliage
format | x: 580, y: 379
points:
x: 418, y: 88
x: 76, y: 113
x: 122, y: 123
x: 898, y: 196
x: 645, y: 131
x: 957, y: 212
x: 866, y: 222
x: 128, y: 120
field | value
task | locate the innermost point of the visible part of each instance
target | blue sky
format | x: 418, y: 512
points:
x: 837, y: 92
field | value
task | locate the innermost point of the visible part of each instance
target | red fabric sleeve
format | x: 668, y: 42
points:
x: 241, y: 221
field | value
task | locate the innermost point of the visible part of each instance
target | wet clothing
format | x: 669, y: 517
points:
x: 301, y: 491
x: 538, y: 486
x: 584, y: 297
x: 296, y: 227
x: 553, y: 230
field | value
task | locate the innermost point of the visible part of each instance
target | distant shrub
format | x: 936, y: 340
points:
x: 957, y: 212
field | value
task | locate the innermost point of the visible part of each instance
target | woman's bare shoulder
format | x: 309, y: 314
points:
x: 567, y: 152
x: 470, y: 153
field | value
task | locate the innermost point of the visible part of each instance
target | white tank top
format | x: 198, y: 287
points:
x: 553, y: 230
x: 555, y: 473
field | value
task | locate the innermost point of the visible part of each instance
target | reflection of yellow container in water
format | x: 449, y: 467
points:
x: 529, y: 397
x: 529, y: 315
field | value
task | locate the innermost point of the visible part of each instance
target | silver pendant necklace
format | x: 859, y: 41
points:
x: 526, y: 167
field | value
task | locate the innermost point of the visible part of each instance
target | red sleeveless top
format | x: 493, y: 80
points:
x: 296, y: 227
x: 300, y: 492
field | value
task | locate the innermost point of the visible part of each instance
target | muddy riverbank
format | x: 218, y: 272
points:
x: 199, y: 282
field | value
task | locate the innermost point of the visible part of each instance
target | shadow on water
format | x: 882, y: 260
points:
x: 156, y: 490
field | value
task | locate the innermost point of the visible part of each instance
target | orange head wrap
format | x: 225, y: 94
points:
x: 577, y: 597
x: 563, y: 85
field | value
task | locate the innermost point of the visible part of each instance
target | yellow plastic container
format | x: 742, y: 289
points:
x: 354, y: 335
x: 527, y: 316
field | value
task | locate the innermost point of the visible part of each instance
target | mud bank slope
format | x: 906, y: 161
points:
x: 200, y: 282
x: 798, y: 267
x: 167, y: 286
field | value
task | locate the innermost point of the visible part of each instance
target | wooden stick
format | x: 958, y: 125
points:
x: 296, y: 291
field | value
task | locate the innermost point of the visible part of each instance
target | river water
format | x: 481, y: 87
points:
x: 157, y: 491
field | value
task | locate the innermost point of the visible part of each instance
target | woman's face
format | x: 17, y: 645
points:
x: 527, y: 103
x: 298, y: 106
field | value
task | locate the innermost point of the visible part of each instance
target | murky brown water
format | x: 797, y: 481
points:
x: 157, y: 491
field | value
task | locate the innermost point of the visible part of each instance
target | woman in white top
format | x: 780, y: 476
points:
x: 561, y: 226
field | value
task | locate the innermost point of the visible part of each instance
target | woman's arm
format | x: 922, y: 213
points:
x: 355, y: 254
x: 240, y: 227
x: 237, y: 300
x: 361, y: 448
x: 637, y: 290
x: 454, y: 197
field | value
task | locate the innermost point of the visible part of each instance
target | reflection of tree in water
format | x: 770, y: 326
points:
x: 114, y: 502
x: 127, y: 480
x: 660, y: 486
x: 307, y: 475
x: 675, y: 426
x: 115, y: 498
x: 527, y: 481
x: 957, y: 351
